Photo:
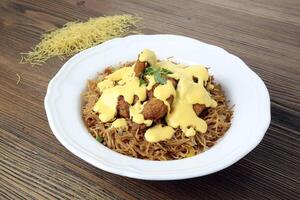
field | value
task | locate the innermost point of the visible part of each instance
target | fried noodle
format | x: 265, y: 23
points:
x: 130, y: 141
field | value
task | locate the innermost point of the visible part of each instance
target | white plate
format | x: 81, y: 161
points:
x: 242, y: 87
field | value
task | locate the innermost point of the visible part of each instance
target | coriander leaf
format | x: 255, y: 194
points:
x: 151, y: 70
x: 166, y: 71
x: 159, y: 78
x: 99, y: 138
x: 142, y: 81
x: 159, y: 74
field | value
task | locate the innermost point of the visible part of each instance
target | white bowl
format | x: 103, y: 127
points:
x: 242, y: 87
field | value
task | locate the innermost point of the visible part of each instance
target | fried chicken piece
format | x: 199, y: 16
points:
x: 107, y: 71
x: 174, y: 82
x: 139, y: 68
x: 198, y: 108
x: 154, y: 109
x: 122, y: 108
x: 135, y: 99
x: 150, y: 93
x: 170, y: 99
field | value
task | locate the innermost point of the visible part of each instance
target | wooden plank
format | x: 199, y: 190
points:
x: 264, y: 33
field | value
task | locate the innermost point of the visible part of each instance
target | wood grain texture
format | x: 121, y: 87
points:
x: 264, y: 33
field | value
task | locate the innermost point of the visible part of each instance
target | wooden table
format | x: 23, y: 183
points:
x: 264, y: 33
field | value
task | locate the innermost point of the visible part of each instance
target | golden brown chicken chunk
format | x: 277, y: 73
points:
x: 135, y: 99
x: 174, y: 82
x: 122, y: 108
x: 198, y: 108
x: 154, y: 109
x: 139, y: 68
x: 170, y: 99
x: 107, y: 71
x: 150, y: 93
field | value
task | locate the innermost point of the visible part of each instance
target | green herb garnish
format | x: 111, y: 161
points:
x: 142, y: 81
x: 99, y: 138
x: 159, y: 78
x: 151, y: 70
x: 166, y: 71
x: 159, y: 73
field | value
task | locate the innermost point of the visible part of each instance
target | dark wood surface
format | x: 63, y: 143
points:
x: 264, y: 33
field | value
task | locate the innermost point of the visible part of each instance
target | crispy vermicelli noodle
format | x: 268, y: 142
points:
x: 130, y: 141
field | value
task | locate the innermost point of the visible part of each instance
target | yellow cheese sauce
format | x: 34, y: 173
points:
x: 123, y: 82
x: 151, y: 82
x: 149, y: 56
x: 107, y: 103
x: 163, y: 92
x: 159, y: 133
x: 105, y: 84
x: 119, y: 123
x: 136, y: 114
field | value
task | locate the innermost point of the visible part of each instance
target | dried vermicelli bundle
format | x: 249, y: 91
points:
x: 74, y: 37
